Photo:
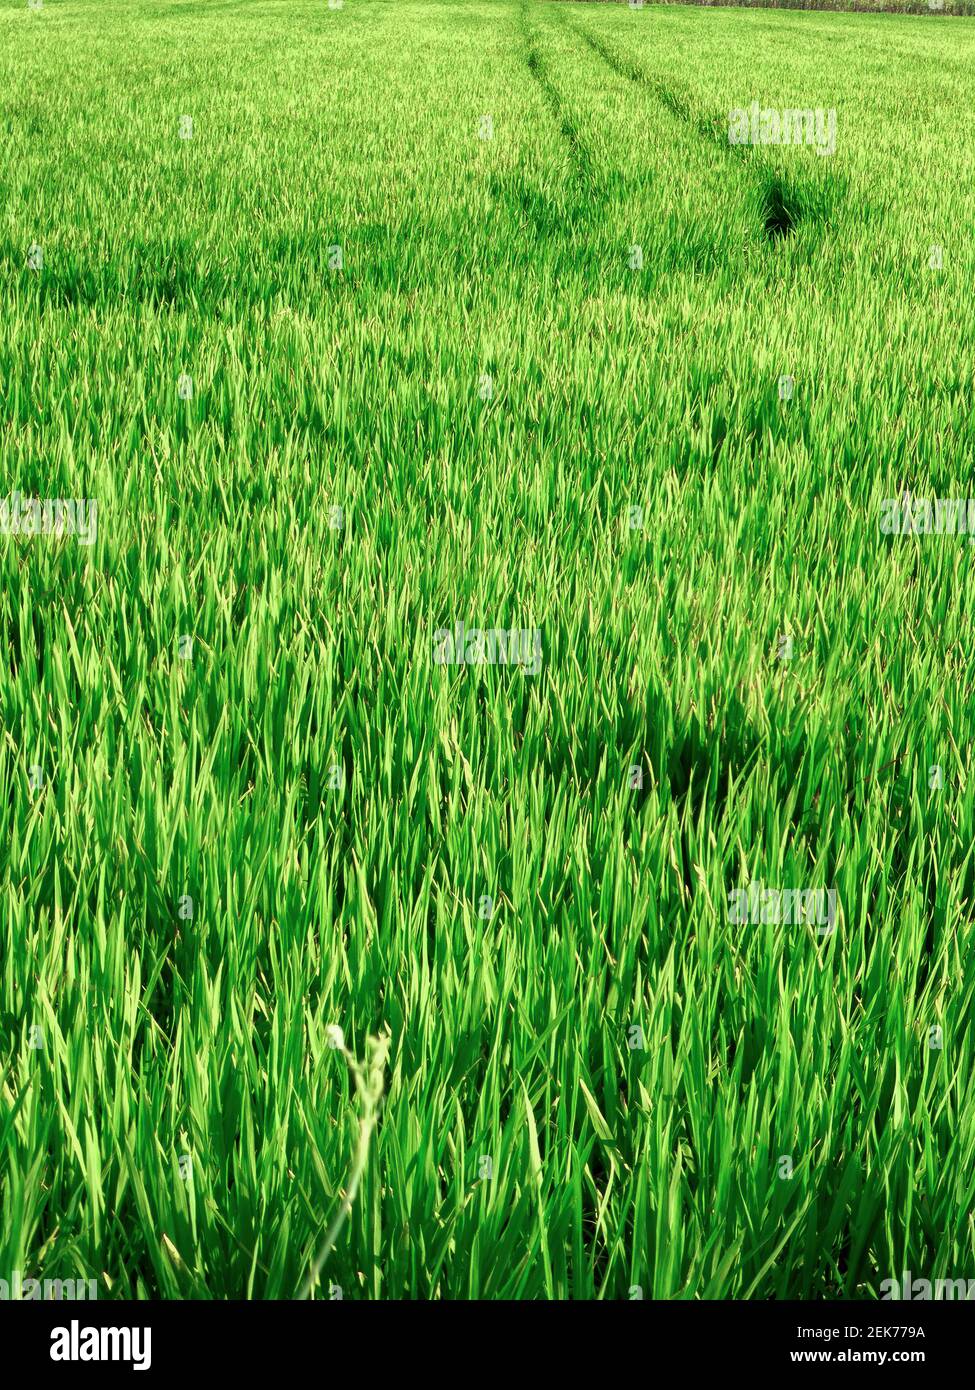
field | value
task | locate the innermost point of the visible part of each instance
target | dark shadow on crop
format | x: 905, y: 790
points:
x: 779, y: 213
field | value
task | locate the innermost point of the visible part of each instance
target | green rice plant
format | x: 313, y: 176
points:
x: 366, y: 327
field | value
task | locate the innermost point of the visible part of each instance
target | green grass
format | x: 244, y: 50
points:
x: 353, y: 900
x: 934, y: 8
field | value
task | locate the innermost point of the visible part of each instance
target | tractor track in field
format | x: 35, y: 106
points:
x: 678, y: 105
x: 548, y: 216
x: 579, y: 152
x: 782, y: 202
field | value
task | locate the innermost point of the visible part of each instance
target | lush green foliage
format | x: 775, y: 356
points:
x: 935, y: 8
x: 208, y: 771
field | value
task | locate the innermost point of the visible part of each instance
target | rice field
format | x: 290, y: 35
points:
x: 453, y: 631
